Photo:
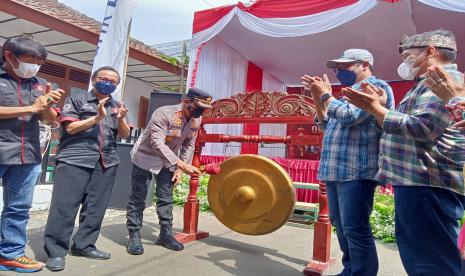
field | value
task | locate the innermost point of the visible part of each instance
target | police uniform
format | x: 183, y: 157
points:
x: 85, y: 173
x: 168, y: 138
x: 20, y: 160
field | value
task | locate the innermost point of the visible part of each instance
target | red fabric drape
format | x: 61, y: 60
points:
x: 269, y: 9
x: 254, y: 83
x: 196, y: 66
x: 293, y: 8
x: 207, y: 18
x: 400, y: 88
x: 299, y: 170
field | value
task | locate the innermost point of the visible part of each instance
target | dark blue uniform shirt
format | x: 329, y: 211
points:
x: 19, y: 137
x: 87, y: 147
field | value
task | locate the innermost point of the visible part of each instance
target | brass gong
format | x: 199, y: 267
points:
x: 251, y: 195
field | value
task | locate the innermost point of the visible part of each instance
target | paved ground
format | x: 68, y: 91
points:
x: 284, y: 252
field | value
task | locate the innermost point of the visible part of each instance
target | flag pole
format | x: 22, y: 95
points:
x: 126, y: 59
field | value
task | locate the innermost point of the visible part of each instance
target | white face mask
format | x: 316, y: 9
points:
x: 26, y: 70
x: 407, y: 71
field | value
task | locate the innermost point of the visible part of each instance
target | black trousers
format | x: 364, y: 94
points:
x: 74, y: 186
x: 164, y: 190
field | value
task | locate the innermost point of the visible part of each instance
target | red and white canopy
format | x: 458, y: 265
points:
x: 270, y: 44
x: 288, y: 38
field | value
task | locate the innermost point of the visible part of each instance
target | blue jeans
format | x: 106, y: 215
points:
x: 427, y: 230
x: 18, y: 190
x: 350, y: 206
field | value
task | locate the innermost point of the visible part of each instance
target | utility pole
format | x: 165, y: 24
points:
x: 183, y: 58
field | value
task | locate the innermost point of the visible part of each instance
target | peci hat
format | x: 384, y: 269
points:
x: 426, y: 39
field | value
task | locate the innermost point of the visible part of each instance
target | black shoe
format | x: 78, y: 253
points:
x: 167, y: 240
x: 134, y: 244
x: 94, y: 254
x: 55, y: 264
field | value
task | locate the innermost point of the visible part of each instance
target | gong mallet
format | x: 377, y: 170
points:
x: 211, y: 169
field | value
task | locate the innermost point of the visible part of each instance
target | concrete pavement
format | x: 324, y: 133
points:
x: 284, y: 252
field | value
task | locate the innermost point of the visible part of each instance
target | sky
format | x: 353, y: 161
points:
x: 154, y: 21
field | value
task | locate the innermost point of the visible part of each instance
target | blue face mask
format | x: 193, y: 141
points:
x: 346, y: 77
x: 105, y: 87
x: 196, y: 112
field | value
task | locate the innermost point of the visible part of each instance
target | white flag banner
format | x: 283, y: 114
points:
x: 112, y: 44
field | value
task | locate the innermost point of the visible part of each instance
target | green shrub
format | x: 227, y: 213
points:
x: 382, y: 217
x: 181, y: 191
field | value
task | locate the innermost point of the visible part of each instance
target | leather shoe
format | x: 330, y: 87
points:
x: 170, y: 243
x: 135, y: 244
x: 94, y: 254
x: 55, y: 264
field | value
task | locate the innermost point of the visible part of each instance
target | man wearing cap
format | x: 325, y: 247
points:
x: 349, y: 157
x: 165, y: 149
x: 422, y: 155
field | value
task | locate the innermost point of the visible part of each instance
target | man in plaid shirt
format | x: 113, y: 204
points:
x: 422, y: 155
x: 349, y: 157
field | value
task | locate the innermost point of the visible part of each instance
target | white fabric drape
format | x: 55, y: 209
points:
x: 450, y: 5
x: 288, y: 27
x: 222, y: 72
x: 271, y: 84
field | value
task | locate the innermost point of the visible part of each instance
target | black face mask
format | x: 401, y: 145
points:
x: 196, y: 112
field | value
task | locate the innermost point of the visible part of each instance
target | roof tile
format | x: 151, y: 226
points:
x: 72, y: 16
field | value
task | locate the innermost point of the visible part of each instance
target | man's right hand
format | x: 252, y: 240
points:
x: 102, y: 112
x: 41, y: 104
x: 318, y: 86
x: 187, y: 168
x: 370, y: 89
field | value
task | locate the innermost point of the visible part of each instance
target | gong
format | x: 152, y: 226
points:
x: 251, y: 195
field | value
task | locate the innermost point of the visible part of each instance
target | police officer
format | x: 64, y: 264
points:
x: 164, y: 148
x: 86, y: 168
x: 24, y: 100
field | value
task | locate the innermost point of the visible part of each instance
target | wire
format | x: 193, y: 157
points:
x: 45, y: 135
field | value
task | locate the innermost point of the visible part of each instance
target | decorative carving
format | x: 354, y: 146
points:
x: 262, y: 104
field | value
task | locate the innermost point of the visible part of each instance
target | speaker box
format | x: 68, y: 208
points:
x: 159, y: 99
x: 122, y: 187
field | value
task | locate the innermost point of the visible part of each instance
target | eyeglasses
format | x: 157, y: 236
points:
x: 107, y: 80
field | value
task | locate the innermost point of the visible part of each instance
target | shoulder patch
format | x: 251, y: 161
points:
x: 67, y: 107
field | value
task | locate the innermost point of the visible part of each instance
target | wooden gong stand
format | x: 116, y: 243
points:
x: 261, y: 107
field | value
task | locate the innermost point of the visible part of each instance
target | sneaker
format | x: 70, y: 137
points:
x: 21, y: 264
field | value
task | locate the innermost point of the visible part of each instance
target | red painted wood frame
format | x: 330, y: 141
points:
x: 260, y: 107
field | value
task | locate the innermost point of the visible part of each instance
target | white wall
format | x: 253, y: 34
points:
x: 42, y: 197
x: 133, y: 90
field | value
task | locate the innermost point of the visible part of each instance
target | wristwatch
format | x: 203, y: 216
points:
x: 325, y: 97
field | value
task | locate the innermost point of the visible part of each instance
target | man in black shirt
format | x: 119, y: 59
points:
x: 87, y: 162
x: 24, y: 100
